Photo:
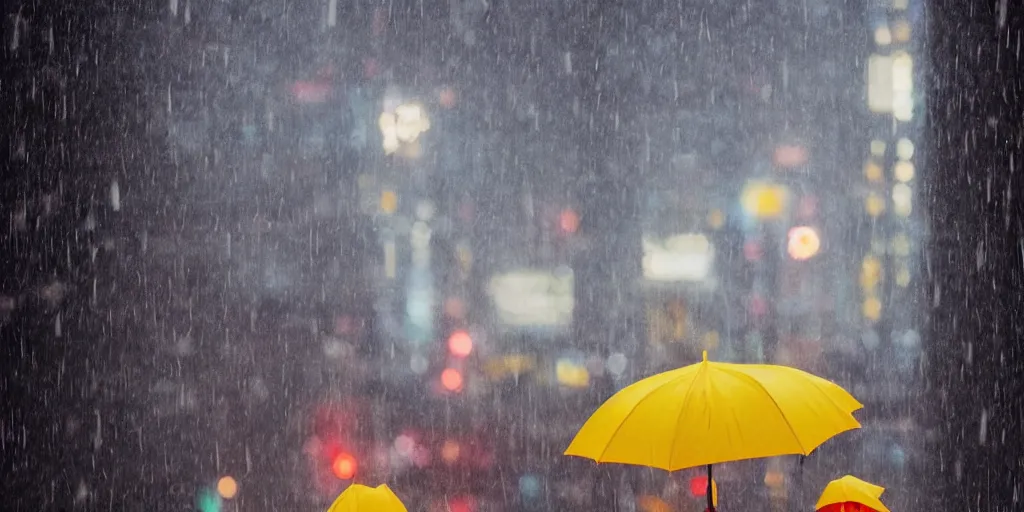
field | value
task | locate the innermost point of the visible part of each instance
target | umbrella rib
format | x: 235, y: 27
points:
x: 829, y: 397
x: 776, y: 403
x: 675, y: 438
x: 626, y: 418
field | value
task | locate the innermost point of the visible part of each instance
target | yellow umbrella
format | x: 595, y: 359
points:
x: 709, y: 413
x: 360, y: 498
x: 851, y: 490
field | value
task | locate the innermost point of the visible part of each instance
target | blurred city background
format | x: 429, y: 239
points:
x: 418, y: 242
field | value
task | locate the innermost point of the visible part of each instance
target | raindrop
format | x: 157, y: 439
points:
x: 983, y: 427
x: 90, y: 222
x: 81, y: 493
x: 115, y: 196
x: 332, y: 13
x: 97, y: 440
x: 16, y: 36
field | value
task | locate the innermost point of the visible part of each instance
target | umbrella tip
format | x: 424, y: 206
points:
x: 704, y: 355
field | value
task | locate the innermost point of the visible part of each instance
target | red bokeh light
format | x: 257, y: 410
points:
x: 451, y: 379
x: 460, y: 344
x: 464, y: 504
x: 447, y: 97
x: 569, y: 221
x: 699, y: 486
x: 310, y: 92
x: 752, y: 250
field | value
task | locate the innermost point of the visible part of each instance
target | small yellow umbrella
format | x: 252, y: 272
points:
x: 709, y: 413
x: 360, y: 498
x: 846, y: 493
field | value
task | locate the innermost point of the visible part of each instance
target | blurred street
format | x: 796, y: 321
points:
x: 419, y: 244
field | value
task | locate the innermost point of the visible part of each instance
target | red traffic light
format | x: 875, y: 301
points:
x: 344, y: 466
x: 460, y: 344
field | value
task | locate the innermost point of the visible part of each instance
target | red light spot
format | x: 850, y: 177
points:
x: 344, y: 466
x: 380, y: 21
x: 460, y: 344
x: 370, y: 68
x: 310, y: 92
x: 752, y: 251
x: 466, y: 212
x: 344, y: 324
x: 569, y: 221
x: 789, y: 156
x: 462, y: 505
x: 758, y: 306
x: 808, y: 206
x: 699, y: 486
x: 451, y: 379
x: 447, y: 97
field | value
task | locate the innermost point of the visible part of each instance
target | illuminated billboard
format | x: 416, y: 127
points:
x: 677, y: 258
x: 533, y: 298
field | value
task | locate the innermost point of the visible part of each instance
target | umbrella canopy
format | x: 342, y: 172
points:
x: 360, y: 498
x: 851, y: 494
x: 710, y: 413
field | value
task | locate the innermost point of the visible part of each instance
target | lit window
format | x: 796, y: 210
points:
x: 880, y: 83
x: 903, y: 276
x: 388, y: 201
x: 882, y: 36
x: 870, y: 273
x: 902, y: 86
x: 874, y: 205
x: 903, y: 171
x: 872, y: 309
x: 901, y: 199
x: 901, y: 245
x: 904, y: 149
x: 873, y: 171
x: 901, y: 31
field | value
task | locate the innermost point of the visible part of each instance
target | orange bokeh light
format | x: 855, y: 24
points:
x: 227, y: 487
x: 344, y: 466
x: 450, y: 451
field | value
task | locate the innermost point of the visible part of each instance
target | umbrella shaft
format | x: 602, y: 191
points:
x: 710, y: 491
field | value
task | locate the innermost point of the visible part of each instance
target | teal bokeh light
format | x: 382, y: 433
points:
x: 208, y: 501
